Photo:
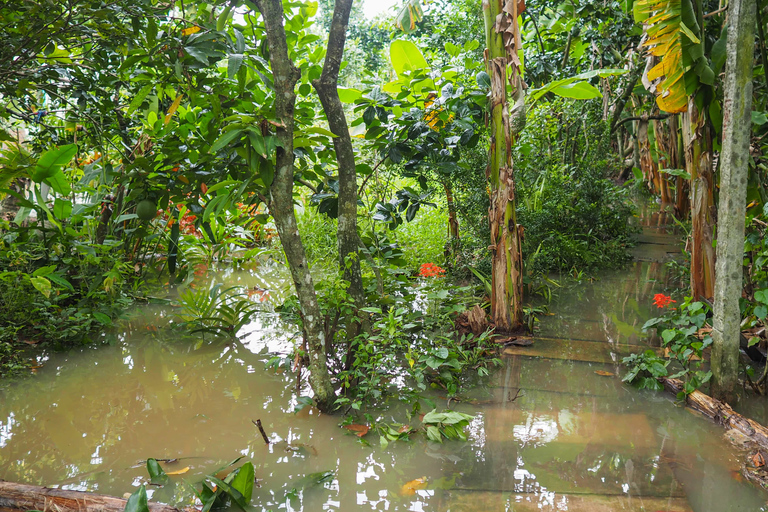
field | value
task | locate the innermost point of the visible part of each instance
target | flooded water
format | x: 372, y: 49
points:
x: 554, y: 429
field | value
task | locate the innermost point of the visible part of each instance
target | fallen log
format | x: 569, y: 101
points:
x: 15, y: 497
x: 720, y: 412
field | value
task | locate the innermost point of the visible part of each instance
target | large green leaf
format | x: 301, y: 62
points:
x: 53, y: 161
x: 559, y: 86
x: 243, y: 480
x: 577, y: 91
x: 406, y: 56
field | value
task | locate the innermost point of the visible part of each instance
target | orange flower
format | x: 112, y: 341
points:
x: 661, y: 300
x: 430, y: 270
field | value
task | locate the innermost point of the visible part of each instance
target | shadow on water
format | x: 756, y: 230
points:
x: 554, y: 429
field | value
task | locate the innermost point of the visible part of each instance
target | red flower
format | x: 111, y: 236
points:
x: 430, y: 270
x: 661, y: 300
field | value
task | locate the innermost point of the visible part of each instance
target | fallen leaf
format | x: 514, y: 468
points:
x: 404, y: 428
x: 178, y: 472
x: 411, y: 487
x: 757, y: 460
x: 31, y: 342
x: 203, y: 188
x: 358, y: 430
x: 604, y: 373
x: 190, y: 30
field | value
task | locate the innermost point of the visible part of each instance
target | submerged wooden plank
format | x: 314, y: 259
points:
x: 570, y: 427
x: 557, y: 376
x: 471, y: 501
x: 575, y: 350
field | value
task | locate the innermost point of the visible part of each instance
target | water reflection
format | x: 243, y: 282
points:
x: 548, y: 433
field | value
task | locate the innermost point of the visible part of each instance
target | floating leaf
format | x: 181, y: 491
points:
x: 411, y: 487
x: 178, y: 471
x: 358, y: 430
x: 604, y: 373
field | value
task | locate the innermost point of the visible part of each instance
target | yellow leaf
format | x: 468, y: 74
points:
x: 358, y: 430
x: 411, y: 487
x: 190, y: 30
x: 174, y: 106
x: 178, y: 472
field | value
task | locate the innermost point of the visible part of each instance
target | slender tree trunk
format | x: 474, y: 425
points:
x: 285, y: 75
x: 502, y: 44
x: 697, y: 139
x: 734, y: 171
x: 453, y: 220
x: 326, y: 87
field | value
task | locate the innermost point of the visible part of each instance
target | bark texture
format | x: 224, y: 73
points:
x: 14, y: 497
x: 734, y: 170
x: 502, y: 44
x: 697, y: 141
x: 720, y: 412
x: 285, y: 75
x: 326, y: 87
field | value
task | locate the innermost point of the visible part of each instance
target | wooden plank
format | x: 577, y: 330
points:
x: 574, y: 350
x: 574, y: 428
x: 460, y: 500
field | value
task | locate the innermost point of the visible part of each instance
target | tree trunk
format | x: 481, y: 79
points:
x: 453, y: 220
x: 697, y: 140
x: 16, y: 497
x: 503, y: 42
x: 720, y: 412
x: 285, y: 75
x: 734, y: 171
x: 647, y: 165
x: 326, y: 87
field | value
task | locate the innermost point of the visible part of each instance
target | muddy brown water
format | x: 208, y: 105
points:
x: 549, y: 433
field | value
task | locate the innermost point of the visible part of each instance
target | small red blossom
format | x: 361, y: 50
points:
x: 661, y: 300
x: 430, y: 270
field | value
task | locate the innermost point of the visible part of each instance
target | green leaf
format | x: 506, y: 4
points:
x: 243, y: 480
x: 138, y: 501
x: 235, y: 60
x: 321, y: 131
x: 677, y: 172
x: 139, y: 98
x: 689, y: 33
x: 52, y: 161
x: 433, y: 434
x: 761, y: 311
x: 406, y: 56
x: 348, y: 94
x: 59, y: 183
x: 225, y: 139
x: 577, y: 91
x: 62, y: 208
x: 153, y: 467
x: 105, y: 320
x: 61, y: 281
x: 42, y: 285
x: 759, y: 118
x: 762, y: 295
x: 452, y: 49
